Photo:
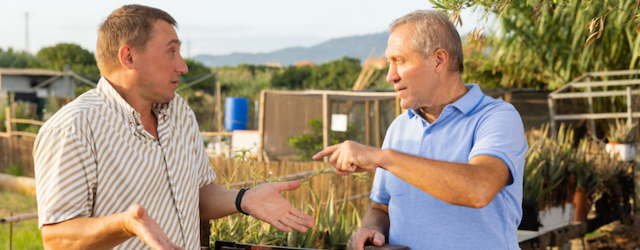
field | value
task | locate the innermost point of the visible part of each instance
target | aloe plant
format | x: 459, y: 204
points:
x: 335, y: 220
x: 621, y: 133
x: 547, y: 163
x: 589, y: 157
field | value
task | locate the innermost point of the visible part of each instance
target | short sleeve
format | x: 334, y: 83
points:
x: 65, y: 172
x: 500, y: 133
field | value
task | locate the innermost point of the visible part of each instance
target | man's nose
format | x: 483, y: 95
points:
x: 182, y: 67
x: 392, y: 75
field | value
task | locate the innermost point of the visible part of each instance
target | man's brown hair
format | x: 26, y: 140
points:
x: 129, y: 25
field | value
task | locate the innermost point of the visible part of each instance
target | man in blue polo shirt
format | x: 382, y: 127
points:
x: 450, y: 170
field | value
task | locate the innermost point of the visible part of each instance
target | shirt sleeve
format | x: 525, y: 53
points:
x: 65, y: 172
x: 500, y: 133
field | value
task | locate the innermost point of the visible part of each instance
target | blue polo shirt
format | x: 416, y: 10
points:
x: 474, y: 125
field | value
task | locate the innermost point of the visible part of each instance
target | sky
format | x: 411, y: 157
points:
x: 211, y: 27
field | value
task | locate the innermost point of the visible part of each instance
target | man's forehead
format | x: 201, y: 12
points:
x: 395, y: 42
x: 167, y: 32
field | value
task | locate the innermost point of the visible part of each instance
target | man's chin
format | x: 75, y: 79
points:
x: 405, y: 105
x: 167, y: 98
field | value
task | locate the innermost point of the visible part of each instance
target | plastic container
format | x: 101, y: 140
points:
x: 236, y: 110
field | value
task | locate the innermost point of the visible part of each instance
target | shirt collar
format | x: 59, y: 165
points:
x: 466, y: 104
x: 469, y: 101
x: 123, y: 108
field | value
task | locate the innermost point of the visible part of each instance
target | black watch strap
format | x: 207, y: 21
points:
x: 239, y: 200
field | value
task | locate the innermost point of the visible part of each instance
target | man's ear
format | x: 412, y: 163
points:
x: 125, y: 56
x: 441, y: 60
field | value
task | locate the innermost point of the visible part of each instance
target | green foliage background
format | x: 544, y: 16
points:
x: 307, y: 145
x: 80, y: 60
x: 542, y: 44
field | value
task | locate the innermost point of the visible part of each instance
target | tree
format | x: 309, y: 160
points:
x: 80, y: 60
x: 545, y: 43
x: 17, y: 59
x: 337, y: 74
x: 308, y: 144
x: 292, y: 77
x: 197, y: 70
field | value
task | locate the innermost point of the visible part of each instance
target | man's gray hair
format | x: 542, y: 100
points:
x: 433, y: 30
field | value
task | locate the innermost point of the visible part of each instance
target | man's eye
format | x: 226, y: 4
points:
x: 172, y: 52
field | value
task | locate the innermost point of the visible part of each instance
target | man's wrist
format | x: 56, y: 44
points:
x: 382, y: 158
x: 239, y: 197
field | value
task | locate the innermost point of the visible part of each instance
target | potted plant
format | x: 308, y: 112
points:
x: 616, y: 186
x: 545, y: 182
x: 586, y: 180
x: 621, y: 143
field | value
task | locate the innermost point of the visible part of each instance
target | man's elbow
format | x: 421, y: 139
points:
x: 48, y: 237
x: 480, y: 203
x: 481, y: 199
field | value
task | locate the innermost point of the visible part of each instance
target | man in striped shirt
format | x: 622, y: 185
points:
x: 126, y: 159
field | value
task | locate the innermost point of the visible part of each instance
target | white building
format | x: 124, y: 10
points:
x: 33, y: 84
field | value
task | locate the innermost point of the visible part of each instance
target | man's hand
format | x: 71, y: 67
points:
x: 364, y: 236
x: 140, y: 224
x: 350, y: 157
x: 264, y: 202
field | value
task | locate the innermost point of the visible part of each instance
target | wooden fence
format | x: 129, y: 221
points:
x: 16, y: 150
x: 16, y: 146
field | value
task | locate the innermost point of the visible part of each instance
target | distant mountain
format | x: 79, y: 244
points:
x: 353, y: 46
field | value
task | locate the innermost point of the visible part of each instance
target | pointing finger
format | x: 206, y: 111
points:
x: 327, y: 151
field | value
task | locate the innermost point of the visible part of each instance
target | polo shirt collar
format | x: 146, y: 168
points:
x: 130, y: 115
x: 470, y: 101
x: 467, y: 104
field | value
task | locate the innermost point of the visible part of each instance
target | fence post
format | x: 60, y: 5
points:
x: 326, y: 123
x: 376, y: 106
x: 367, y: 122
x: 11, y: 233
x: 263, y: 98
x: 9, y: 124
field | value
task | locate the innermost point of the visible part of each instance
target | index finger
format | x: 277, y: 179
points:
x: 327, y: 151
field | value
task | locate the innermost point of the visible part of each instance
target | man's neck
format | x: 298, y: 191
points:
x: 448, y: 95
x: 131, y: 95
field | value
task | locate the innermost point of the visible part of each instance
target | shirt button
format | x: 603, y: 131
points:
x: 428, y: 131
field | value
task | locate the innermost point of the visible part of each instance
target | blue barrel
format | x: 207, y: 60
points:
x: 236, y: 110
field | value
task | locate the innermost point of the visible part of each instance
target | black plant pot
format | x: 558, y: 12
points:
x: 530, y: 220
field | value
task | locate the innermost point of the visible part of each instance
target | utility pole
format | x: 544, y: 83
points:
x: 26, y: 24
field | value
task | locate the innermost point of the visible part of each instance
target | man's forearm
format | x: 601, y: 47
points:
x: 217, y: 202
x: 377, y: 218
x: 87, y: 233
x: 471, y: 185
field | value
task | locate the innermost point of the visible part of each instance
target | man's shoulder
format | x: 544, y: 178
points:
x: 490, y: 105
x: 78, y: 109
x: 401, y: 120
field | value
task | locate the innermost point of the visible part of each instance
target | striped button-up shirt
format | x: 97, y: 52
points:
x: 93, y: 158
